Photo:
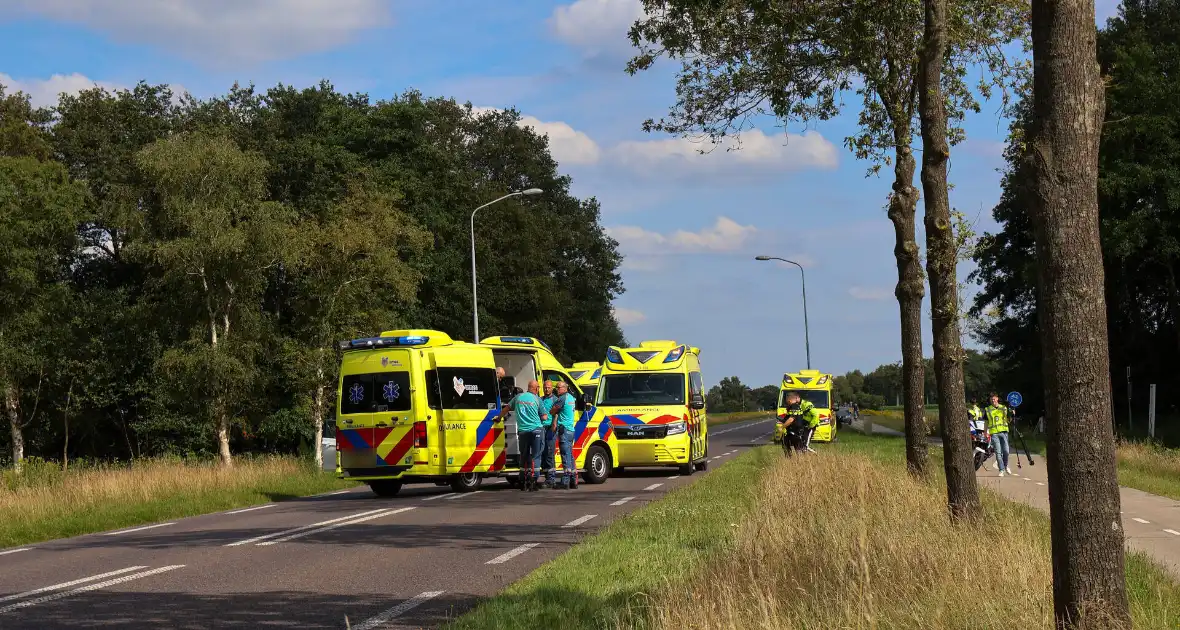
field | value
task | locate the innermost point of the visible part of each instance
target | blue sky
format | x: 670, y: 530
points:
x: 689, y: 225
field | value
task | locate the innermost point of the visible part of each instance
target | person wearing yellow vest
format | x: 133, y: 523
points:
x: 997, y: 425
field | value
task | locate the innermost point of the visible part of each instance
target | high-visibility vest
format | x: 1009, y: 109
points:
x: 975, y: 412
x: 997, y: 419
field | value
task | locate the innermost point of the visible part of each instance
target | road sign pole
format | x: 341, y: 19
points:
x: 1128, y: 399
x: 1151, y: 410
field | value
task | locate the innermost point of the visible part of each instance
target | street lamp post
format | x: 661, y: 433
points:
x: 474, y: 284
x: 803, y: 276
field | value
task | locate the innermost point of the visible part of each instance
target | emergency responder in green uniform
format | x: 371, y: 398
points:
x: 997, y: 426
x: 804, y: 412
x: 976, y: 417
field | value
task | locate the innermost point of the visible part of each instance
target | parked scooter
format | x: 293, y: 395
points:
x: 983, y: 448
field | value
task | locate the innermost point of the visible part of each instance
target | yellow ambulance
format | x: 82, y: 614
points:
x: 415, y: 406
x: 815, y: 387
x: 653, y: 397
x: 586, y: 375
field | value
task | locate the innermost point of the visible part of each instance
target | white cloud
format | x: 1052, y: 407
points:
x: 725, y: 235
x: 597, y: 26
x: 219, y: 32
x: 566, y: 144
x: 754, y: 151
x: 870, y: 293
x: 627, y: 316
x: 45, y: 92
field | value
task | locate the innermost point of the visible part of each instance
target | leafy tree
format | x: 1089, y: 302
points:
x: 730, y: 395
x: 766, y: 397
x: 40, y: 208
x: 941, y: 267
x: 794, y: 61
x: 214, y: 241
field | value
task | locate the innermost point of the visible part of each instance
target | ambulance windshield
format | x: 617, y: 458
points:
x: 817, y: 397
x: 642, y: 389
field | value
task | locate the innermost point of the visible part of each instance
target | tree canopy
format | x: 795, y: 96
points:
x: 175, y: 273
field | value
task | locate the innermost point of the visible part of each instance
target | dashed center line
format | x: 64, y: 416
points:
x: 653, y: 486
x: 332, y: 494
x: 88, y: 588
x: 674, y: 477
x: 1040, y: 483
x: 317, y: 530
x: 457, y: 495
x: 397, y: 611
x: 755, y: 440
x: 260, y: 507
x: 622, y: 501
x: 137, y: 529
x: 302, y: 528
x: 578, y: 521
x: 1172, y: 532
x: 1139, y: 520
x: 5, y: 553
x: 58, y: 587
x: 505, y: 557
x: 439, y: 496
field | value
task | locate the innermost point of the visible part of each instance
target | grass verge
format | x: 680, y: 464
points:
x: 43, y: 503
x: 842, y: 540
x: 738, y: 416
x: 595, y: 583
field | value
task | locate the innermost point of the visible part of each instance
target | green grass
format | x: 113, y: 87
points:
x: 602, y: 581
x: 738, y: 416
x: 43, y: 503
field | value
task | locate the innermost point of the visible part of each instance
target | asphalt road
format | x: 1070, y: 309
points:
x: 416, y: 560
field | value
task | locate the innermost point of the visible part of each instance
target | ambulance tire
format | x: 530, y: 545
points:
x: 597, y: 465
x: 466, y: 482
x: 385, y: 488
x: 702, y: 465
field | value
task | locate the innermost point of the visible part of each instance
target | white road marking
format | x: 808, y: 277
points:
x: 578, y: 521
x: 138, y: 529
x: 332, y: 494
x: 5, y: 553
x: 1172, y: 532
x: 438, y: 496
x: 622, y: 500
x: 299, y: 529
x: 58, y: 587
x: 260, y: 507
x: 1139, y: 520
x: 325, y: 528
x: 653, y: 486
x: 757, y: 439
x: 505, y: 557
x: 88, y: 588
x: 715, y: 457
x: 457, y: 495
x: 674, y: 477
x: 742, y: 426
x: 397, y: 611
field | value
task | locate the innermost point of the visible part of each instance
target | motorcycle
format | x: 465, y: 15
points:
x: 983, y: 448
x: 792, y: 439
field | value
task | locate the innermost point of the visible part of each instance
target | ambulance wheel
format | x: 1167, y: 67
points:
x: 597, y: 465
x: 687, y: 469
x: 702, y: 465
x: 385, y: 488
x: 466, y: 482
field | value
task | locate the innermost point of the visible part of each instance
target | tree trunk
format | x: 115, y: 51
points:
x: 12, y: 410
x: 65, y: 421
x: 317, y: 416
x: 221, y: 417
x: 1089, y: 588
x: 941, y: 263
x: 903, y: 205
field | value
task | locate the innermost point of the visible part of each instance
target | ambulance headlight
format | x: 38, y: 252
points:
x: 676, y: 428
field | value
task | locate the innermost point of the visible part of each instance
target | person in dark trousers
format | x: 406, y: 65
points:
x: 548, y: 457
x: 563, y: 423
x: 530, y: 419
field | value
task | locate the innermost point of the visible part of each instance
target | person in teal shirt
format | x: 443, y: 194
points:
x: 563, y: 419
x: 530, y: 418
x: 548, y: 459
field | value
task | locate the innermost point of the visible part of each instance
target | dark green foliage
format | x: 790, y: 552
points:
x: 278, y: 222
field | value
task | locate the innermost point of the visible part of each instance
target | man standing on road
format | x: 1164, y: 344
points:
x: 997, y: 426
x: 530, y: 418
x: 548, y: 460
x: 563, y: 420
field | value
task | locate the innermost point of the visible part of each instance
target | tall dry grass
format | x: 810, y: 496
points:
x: 43, y: 502
x: 1150, y: 468
x: 842, y: 542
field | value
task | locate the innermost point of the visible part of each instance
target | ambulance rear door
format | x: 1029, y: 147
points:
x: 375, y: 423
x: 462, y: 388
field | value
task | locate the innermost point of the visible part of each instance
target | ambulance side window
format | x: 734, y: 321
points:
x: 696, y: 385
x: 465, y: 388
x: 432, y: 388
